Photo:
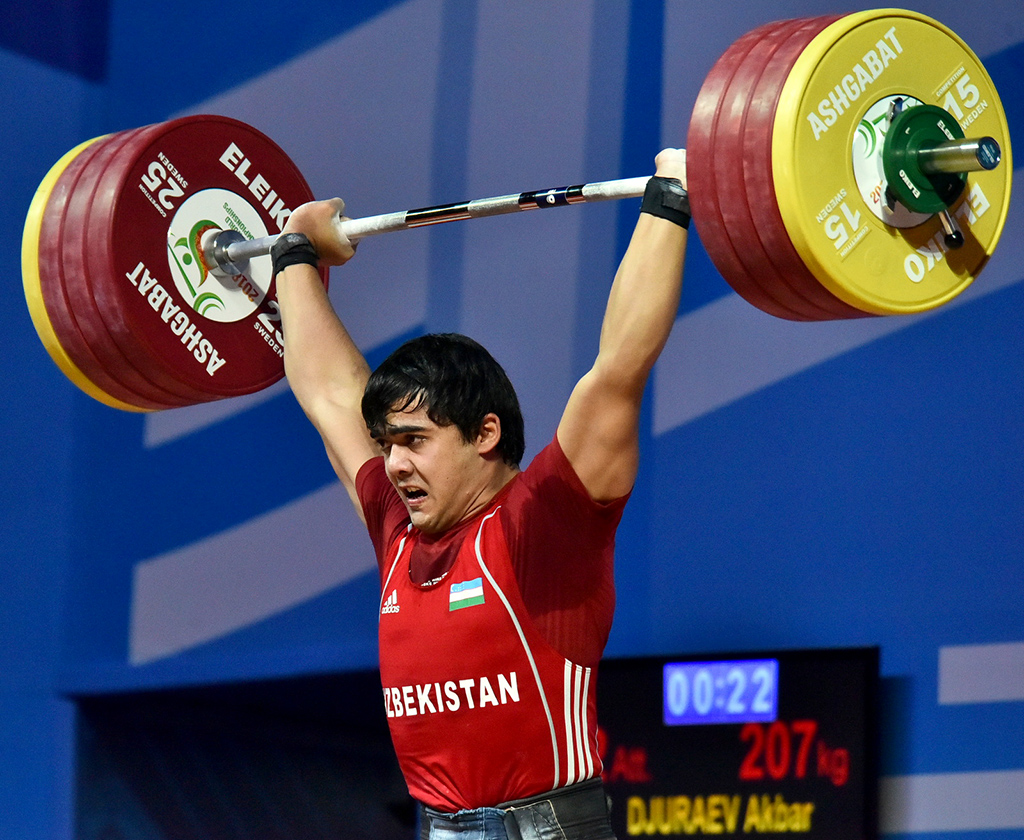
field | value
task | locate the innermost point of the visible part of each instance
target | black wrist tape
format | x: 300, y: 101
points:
x: 666, y: 199
x: 293, y: 249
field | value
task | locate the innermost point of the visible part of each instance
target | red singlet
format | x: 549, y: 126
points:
x: 489, y: 673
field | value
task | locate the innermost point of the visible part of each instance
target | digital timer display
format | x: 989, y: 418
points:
x: 741, y: 691
x: 790, y: 746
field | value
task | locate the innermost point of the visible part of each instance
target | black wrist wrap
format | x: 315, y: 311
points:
x: 293, y: 249
x: 666, y: 199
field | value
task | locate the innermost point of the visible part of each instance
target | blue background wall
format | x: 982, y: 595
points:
x: 804, y: 485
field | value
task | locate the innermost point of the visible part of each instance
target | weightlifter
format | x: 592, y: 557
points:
x: 497, y: 588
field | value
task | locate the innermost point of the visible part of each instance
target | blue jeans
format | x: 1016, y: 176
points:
x: 479, y: 824
x: 576, y: 813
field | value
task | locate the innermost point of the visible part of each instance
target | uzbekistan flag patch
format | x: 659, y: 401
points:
x: 469, y: 593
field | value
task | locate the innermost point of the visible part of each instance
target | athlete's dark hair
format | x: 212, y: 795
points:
x: 456, y: 380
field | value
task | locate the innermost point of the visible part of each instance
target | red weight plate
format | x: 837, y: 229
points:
x: 218, y: 338
x: 736, y: 214
x: 759, y: 181
x: 764, y: 79
x: 64, y: 316
x: 79, y: 272
x: 96, y: 220
x: 92, y: 221
x: 44, y: 287
x: 32, y: 281
x: 701, y: 171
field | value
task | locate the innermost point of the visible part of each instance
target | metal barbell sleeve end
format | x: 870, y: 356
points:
x: 972, y: 155
x: 228, y: 252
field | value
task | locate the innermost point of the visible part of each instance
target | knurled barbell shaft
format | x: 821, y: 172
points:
x: 969, y: 155
x: 228, y: 252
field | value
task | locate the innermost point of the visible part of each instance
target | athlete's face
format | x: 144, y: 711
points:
x: 440, y: 476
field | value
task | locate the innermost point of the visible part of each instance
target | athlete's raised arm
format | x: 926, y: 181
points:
x: 325, y: 369
x: 599, y: 430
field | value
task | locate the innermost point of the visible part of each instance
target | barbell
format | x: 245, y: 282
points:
x: 830, y: 171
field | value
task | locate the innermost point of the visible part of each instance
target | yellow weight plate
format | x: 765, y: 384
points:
x: 843, y: 82
x: 32, y: 283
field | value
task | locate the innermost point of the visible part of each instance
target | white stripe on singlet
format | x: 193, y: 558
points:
x: 581, y: 737
x: 391, y: 571
x: 586, y: 724
x: 526, y: 647
x: 581, y: 761
x: 570, y: 771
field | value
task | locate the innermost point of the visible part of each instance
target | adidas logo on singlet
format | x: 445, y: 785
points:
x: 391, y: 604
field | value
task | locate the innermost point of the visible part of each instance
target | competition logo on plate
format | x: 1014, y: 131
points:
x: 868, y: 167
x: 220, y: 299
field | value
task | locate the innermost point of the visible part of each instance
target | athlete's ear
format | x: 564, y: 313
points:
x: 489, y: 434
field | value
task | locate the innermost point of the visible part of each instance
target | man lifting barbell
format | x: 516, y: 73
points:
x: 497, y: 588
x: 831, y: 179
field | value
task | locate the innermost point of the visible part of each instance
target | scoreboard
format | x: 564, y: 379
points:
x: 742, y: 745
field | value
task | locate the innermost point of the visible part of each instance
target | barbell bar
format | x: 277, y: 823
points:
x: 227, y: 251
x: 230, y: 252
x: 814, y: 147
